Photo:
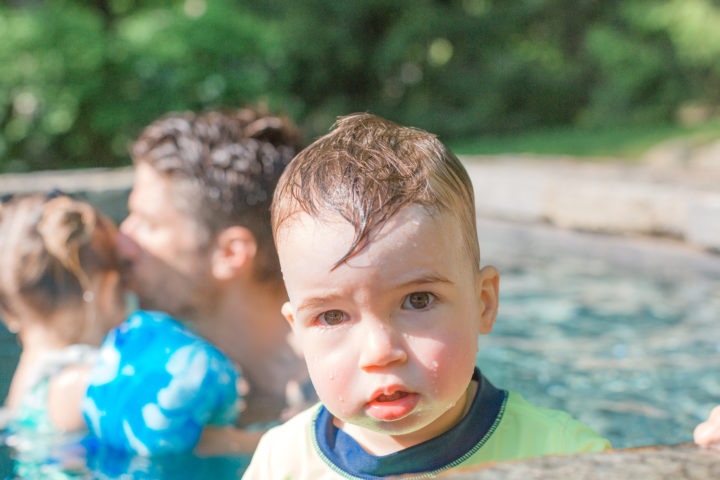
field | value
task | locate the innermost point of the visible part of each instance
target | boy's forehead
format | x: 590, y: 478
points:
x: 330, y: 236
x: 303, y: 224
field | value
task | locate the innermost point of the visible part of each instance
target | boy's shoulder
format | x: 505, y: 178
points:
x: 526, y: 430
x: 287, y: 450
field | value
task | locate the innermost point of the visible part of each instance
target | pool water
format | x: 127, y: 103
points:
x: 623, y: 334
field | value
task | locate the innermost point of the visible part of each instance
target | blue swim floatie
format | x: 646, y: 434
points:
x: 156, y: 385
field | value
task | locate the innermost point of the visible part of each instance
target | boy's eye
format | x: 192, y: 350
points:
x: 331, y: 317
x: 418, y: 300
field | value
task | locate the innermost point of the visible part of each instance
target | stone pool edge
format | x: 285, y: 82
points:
x: 603, y: 196
x: 673, y: 462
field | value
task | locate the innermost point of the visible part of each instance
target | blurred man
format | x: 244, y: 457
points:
x: 197, y: 243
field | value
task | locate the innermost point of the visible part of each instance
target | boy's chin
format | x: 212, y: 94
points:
x: 409, y: 425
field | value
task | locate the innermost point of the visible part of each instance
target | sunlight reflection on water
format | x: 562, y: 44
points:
x: 623, y: 335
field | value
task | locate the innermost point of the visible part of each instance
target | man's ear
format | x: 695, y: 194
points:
x: 234, y: 252
x: 487, y: 285
x: 287, y: 312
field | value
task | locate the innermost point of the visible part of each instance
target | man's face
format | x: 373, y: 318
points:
x: 390, y: 336
x: 165, y: 253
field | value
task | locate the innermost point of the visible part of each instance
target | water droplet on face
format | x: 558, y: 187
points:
x: 340, y: 398
x: 331, y: 377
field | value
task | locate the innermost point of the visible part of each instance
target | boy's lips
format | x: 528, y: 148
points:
x: 391, y: 403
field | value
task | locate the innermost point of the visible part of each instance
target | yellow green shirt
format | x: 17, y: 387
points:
x: 499, y: 425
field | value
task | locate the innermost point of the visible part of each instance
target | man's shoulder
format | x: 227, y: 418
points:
x: 146, y: 328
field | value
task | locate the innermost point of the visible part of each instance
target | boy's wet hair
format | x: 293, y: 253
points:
x: 52, y: 247
x: 224, y: 166
x: 368, y: 168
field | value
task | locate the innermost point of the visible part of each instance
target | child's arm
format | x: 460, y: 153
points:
x: 708, y: 431
x: 65, y: 397
x: 227, y: 441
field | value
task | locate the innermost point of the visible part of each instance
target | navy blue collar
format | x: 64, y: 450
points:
x: 465, y: 438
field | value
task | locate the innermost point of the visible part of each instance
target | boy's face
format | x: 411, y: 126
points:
x: 390, y: 336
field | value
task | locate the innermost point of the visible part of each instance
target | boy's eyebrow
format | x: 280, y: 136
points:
x: 314, y: 302
x: 423, y: 279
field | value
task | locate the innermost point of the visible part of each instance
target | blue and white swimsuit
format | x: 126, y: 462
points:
x: 156, y: 385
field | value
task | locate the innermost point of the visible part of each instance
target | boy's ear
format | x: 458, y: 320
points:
x: 235, y: 250
x: 487, y: 285
x: 287, y: 312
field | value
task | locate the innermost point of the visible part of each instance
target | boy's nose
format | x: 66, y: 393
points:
x: 381, y: 347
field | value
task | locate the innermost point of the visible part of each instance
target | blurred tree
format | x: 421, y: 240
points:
x: 81, y: 78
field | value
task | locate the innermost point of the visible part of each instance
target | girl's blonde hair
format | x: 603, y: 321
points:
x: 51, y: 248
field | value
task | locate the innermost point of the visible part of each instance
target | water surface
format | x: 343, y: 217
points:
x: 622, y: 333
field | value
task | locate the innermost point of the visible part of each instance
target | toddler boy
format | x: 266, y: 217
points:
x: 375, y: 229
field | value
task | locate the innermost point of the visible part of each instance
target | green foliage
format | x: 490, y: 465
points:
x: 81, y: 78
x: 50, y: 57
x: 600, y: 143
x: 81, y: 82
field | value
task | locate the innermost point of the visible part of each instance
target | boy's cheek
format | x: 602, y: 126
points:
x: 444, y: 362
x: 333, y: 385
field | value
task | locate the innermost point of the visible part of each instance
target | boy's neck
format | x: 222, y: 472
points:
x: 380, y: 444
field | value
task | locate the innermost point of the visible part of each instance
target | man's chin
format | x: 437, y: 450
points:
x: 178, y: 312
x: 147, y: 303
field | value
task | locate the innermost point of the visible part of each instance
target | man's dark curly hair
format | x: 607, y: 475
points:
x: 224, y: 166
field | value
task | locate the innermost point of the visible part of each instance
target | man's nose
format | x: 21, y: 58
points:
x: 126, y: 246
x: 381, y: 345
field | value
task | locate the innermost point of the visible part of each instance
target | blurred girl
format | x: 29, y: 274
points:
x: 60, y: 292
x: 159, y: 385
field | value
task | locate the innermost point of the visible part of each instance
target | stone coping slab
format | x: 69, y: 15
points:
x: 609, y: 197
x: 676, y: 462
x: 606, y: 197
x: 71, y: 181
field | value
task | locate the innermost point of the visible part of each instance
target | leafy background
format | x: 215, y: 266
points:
x: 79, y: 79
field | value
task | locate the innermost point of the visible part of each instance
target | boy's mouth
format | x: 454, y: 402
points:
x: 392, y: 405
x: 389, y: 398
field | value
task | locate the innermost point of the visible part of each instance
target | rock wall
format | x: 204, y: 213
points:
x: 606, y: 197
x: 653, y: 198
x: 677, y: 462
